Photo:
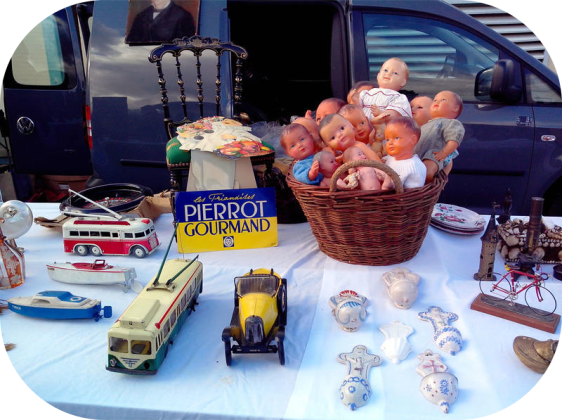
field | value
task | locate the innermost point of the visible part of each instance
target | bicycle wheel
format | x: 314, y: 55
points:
x: 540, y: 300
x: 496, y: 290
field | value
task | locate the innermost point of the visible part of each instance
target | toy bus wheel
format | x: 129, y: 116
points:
x: 138, y: 251
x: 81, y: 250
x: 96, y: 251
x: 227, y: 353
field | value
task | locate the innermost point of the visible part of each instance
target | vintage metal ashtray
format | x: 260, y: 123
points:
x: 557, y: 271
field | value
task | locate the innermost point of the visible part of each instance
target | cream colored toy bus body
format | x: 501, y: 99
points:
x: 138, y: 341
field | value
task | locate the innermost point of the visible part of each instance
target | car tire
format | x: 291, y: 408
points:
x: 138, y: 251
x: 228, y: 353
x: 281, y: 350
x: 81, y: 250
x: 96, y: 251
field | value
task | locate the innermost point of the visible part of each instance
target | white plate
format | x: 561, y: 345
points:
x: 458, y: 218
x: 456, y: 232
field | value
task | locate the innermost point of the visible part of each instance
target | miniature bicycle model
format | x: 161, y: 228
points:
x: 509, y: 287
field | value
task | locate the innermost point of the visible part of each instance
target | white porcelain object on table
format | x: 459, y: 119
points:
x: 402, y: 286
x: 438, y: 385
x: 395, y: 345
x: 456, y: 217
x: 447, y: 338
x: 348, y: 309
x: 355, y: 389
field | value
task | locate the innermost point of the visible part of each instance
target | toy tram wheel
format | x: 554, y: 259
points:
x: 540, y: 300
x: 281, y: 351
x: 81, y: 250
x: 228, y: 353
x: 96, y: 251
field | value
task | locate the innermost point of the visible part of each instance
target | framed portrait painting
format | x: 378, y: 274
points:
x: 159, y: 21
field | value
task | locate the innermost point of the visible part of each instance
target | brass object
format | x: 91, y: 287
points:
x: 534, y: 354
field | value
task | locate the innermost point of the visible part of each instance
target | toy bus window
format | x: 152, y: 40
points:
x: 114, y: 234
x: 140, y: 347
x: 105, y: 234
x: 128, y: 235
x: 72, y: 233
x: 152, y: 228
x: 118, y: 345
x: 139, y: 234
x: 173, y: 318
x: 94, y: 234
x: 147, y: 232
x: 83, y: 233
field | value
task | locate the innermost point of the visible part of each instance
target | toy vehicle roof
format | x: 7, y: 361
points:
x: 257, y: 283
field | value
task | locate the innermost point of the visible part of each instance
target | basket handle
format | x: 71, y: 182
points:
x: 370, y: 163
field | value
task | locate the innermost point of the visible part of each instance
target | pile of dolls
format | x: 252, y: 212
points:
x: 416, y: 139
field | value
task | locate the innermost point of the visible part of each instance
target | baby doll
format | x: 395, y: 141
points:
x: 382, y: 104
x: 366, y: 177
x: 312, y: 128
x: 420, y: 109
x: 353, y: 94
x: 358, y: 120
x: 328, y: 165
x: 402, y: 135
x: 338, y: 134
x: 327, y: 107
x: 441, y: 136
x: 299, y: 144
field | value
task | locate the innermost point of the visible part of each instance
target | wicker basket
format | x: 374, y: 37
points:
x: 366, y: 227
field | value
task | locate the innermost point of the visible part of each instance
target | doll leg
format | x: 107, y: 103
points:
x: 447, y: 169
x: 432, y: 169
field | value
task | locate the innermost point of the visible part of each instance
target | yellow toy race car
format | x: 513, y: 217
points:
x: 260, y: 315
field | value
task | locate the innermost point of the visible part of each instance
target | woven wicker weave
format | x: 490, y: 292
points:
x: 366, y: 227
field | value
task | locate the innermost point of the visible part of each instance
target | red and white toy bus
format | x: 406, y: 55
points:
x: 105, y: 236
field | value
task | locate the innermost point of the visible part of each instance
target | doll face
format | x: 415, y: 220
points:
x: 444, y: 105
x: 310, y: 125
x: 355, y: 153
x: 339, y: 134
x: 400, y: 142
x: 392, y: 75
x: 359, y: 121
x: 299, y: 144
x: 328, y: 164
x: 420, y: 109
x: 326, y: 108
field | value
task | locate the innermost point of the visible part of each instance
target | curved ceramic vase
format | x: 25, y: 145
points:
x: 447, y: 338
x: 348, y: 309
x: 355, y: 389
x: 437, y: 385
x: 395, y: 345
x: 402, y: 286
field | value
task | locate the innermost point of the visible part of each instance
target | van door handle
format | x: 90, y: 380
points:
x: 25, y: 125
x: 548, y: 137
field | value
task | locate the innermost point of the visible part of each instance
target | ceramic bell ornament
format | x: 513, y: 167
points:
x: 402, y: 286
x: 355, y: 389
x: 348, y: 309
x: 395, y: 345
x: 15, y: 220
x: 447, y: 338
x: 437, y: 385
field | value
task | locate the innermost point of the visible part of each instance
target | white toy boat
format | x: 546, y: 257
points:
x: 53, y: 304
x: 97, y: 272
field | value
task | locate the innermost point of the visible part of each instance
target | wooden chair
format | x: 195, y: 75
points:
x: 178, y: 160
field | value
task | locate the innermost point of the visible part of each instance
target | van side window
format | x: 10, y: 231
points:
x: 538, y: 91
x: 439, y: 56
x: 38, y: 60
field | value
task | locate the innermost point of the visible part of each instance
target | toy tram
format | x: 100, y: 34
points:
x: 138, y: 341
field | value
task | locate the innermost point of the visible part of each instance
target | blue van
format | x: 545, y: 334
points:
x: 512, y: 103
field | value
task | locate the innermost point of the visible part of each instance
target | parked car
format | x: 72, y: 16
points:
x: 512, y: 103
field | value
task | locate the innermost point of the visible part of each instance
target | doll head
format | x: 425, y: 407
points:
x: 402, y: 135
x: 353, y: 95
x: 337, y: 132
x: 327, y: 162
x: 297, y: 141
x: 420, y: 109
x: 393, y: 74
x: 446, y: 104
x: 327, y: 107
x: 353, y: 153
x: 312, y: 128
x: 358, y: 120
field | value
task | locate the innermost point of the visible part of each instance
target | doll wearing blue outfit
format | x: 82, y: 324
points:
x: 298, y: 143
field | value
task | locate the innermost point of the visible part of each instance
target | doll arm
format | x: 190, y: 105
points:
x: 386, y: 116
x: 375, y: 110
x: 449, y: 148
x: 309, y: 115
x: 314, y: 170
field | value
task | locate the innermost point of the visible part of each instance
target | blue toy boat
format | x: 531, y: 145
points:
x: 53, y: 304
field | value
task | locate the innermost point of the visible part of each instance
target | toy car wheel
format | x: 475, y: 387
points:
x: 96, y: 251
x: 281, y: 350
x: 81, y: 250
x: 227, y: 353
x: 138, y: 251
x: 282, y: 304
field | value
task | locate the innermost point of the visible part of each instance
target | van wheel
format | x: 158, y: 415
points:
x: 138, y: 251
x: 81, y: 250
x: 96, y: 251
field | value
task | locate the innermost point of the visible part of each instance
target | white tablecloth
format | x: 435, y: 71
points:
x: 63, y: 362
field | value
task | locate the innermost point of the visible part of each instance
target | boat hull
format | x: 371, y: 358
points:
x: 66, y: 273
x: 56, y: 313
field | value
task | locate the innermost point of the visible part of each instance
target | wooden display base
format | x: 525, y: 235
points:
x: 521, y: 314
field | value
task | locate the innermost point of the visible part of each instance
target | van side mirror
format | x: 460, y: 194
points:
x: 498, y: 83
